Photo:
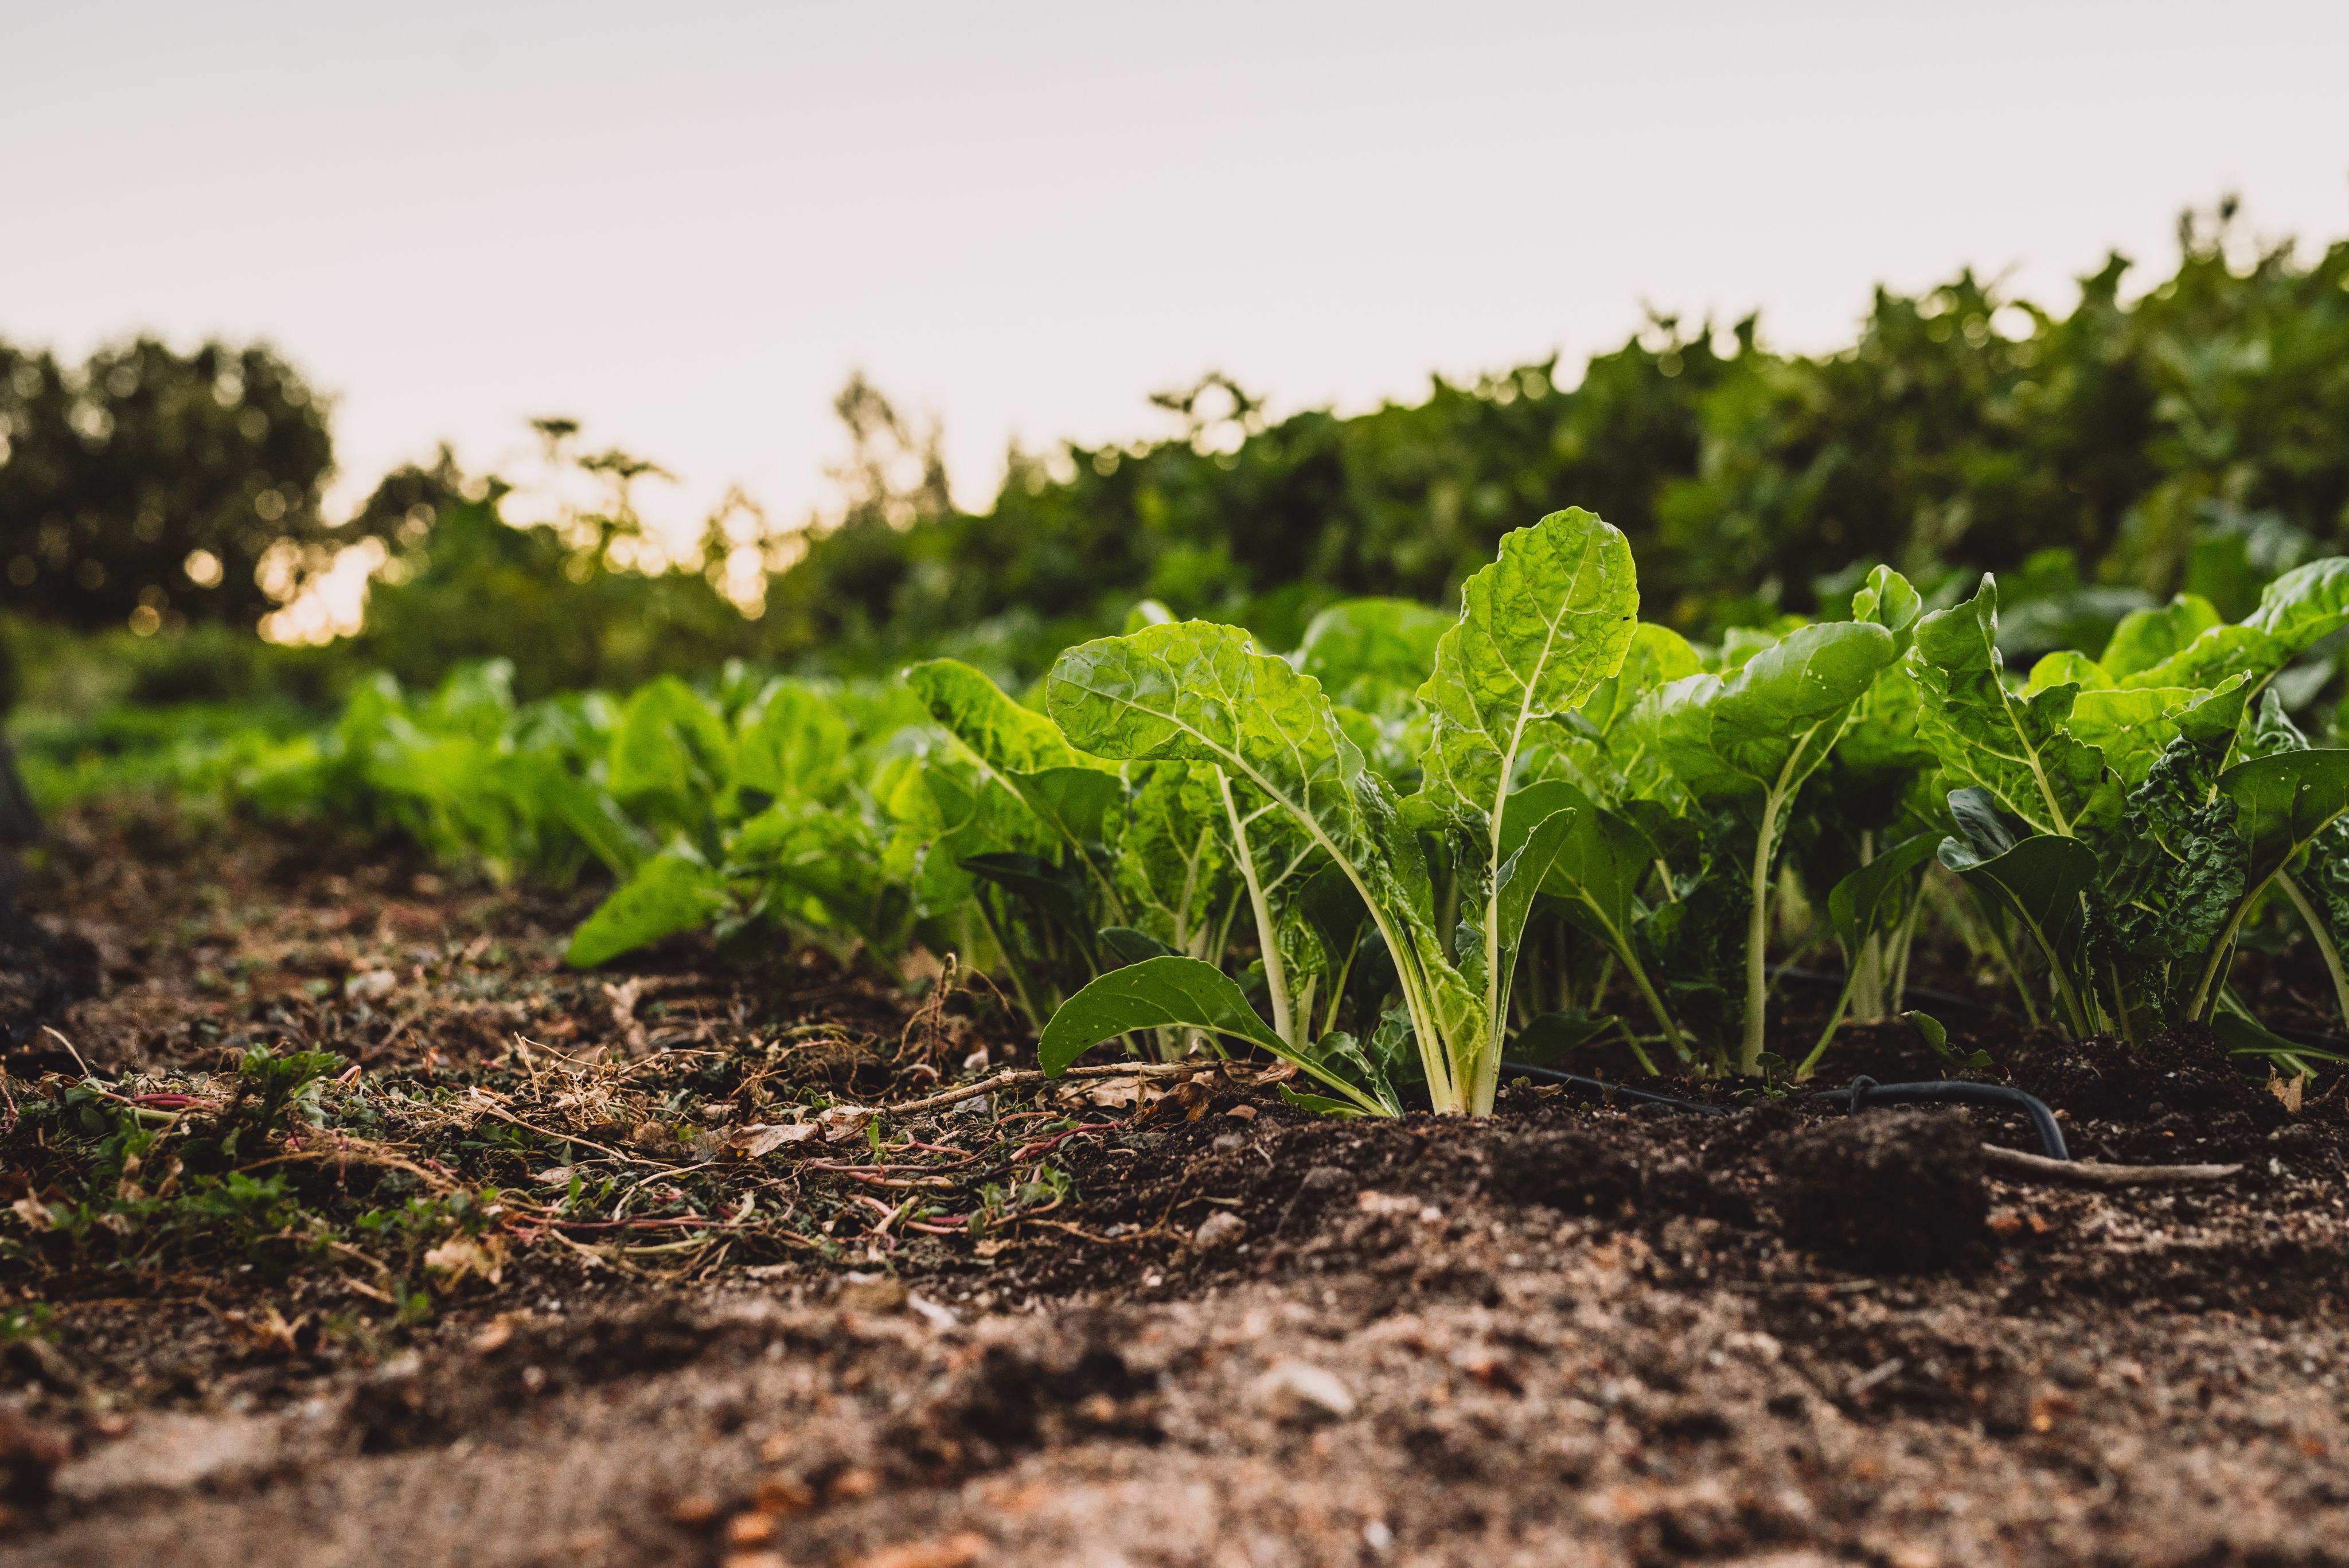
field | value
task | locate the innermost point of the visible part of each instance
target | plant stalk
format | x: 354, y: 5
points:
x: 2324, y: 944
x: 1276, y: 977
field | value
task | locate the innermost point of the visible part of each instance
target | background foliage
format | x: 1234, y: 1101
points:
x: 2186, y: 437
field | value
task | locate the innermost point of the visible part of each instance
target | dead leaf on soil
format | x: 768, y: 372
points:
x: 625, y: 998
x: 653, y: 1138
x: 842, y: 1122
x: 958, y: 1551
x: 497, y: 1332
x: 1113, y: 1094
x: 752, y: 1529
x: 2287, y: 1091
x: 758, y: 1139
x: 460, y: 1256
x: 779, y: 1495
x: 266, y: 1333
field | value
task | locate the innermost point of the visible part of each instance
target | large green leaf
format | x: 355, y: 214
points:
x: 2296, y: 611
x: 1176, y: 992
x: 1075, y: 802
x: 2286, y: 801
x: 669, y: 743
x: 1539, y: 629
x: 672, y: 892
x: 2018, y: 748
x: 1005, y: 736
x: 1764, y: 729
x: 1357, y: 649
x: 2145, y: 638
x: 1157, y: 993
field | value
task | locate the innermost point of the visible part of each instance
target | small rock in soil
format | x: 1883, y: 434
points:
x: 1299, y: 1393
x: 1220, y: 1230
x: 1899, y: 1190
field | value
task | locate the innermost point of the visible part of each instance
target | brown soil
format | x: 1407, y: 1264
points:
x: 1573, y: 1334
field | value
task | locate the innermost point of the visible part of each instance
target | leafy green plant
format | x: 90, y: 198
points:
x: 1539, y: 629
x: 1746, y: 744
x: 2110, y: 820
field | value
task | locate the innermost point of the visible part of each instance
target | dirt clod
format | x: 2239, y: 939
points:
x: 1897, y: 1191
x: 29, y: 1458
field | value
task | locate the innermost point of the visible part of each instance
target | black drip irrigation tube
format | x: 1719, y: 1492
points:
x: 1864, y: 1092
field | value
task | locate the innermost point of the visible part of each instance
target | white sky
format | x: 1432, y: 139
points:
x: 686, y: 223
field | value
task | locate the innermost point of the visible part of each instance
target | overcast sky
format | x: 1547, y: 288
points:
x: 684, y: 224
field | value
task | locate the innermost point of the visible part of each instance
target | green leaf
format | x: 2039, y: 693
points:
x: 2286, y: 801
x: 2044, y: 881
x: 1873, y: 897
x: 795, y: 743
x: 1657, y: 657
x: 1177, y: 992
x: 1762, y: 730
x: 2147, y: 637
x: 1172, y: 853
x: 2018, y: 748
x: 1539, y: 629
x: 1127, y: 945
x: 1891, y: 601
x: 1157, y: 993
x: 1005, y: 736
x: 1383, y: 642
x: 1320, y: 1104
x: 2063, y: 668
x: 1076, y: 802
x: 1523, y: 870
x: 670, y: 746
x: 1937, y: 1037
x: 2296, y: 611
x: 1336, y: 1058
x: 1552, y: 1037
x: 672, y: 892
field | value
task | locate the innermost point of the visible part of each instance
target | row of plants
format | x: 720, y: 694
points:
x: 1418, y: 841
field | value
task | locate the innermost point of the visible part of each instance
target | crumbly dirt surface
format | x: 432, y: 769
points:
x: 1116, y: 1321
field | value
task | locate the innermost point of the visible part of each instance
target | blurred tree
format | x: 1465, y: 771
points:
x: 587, y: 599
x: 148, y: 488
x: 2188, y: 438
